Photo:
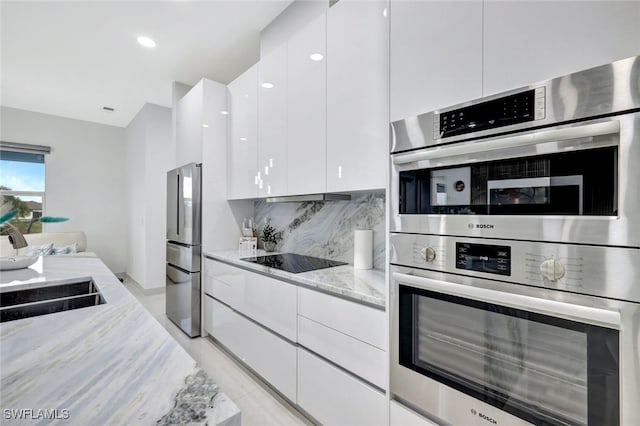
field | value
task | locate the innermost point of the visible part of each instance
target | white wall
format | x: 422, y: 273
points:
x: 149, y: 155
x: 85, y: 177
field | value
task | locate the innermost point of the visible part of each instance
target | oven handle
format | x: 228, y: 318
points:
x: 534, y: 138
x: 578, y: 313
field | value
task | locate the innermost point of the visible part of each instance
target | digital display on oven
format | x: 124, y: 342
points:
x: 504, y: 111
x: 484, y: 258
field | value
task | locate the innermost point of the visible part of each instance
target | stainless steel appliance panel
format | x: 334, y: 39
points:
x: 183, y: 247
x: 621, y: 229
x: 183, y: 299
x: 594, y: 92
x: 184, y: 256
x: 184, y: 217
x: 452, y: 406
x: 579, y: 269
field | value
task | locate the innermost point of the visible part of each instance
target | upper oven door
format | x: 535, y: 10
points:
x: 575, y: 183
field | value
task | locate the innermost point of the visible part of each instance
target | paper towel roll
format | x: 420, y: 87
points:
x: 362, y: 249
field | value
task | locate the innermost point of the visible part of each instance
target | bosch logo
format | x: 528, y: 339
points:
x: 484, y: 417
x: 487, y: 418
x: 480, y: 226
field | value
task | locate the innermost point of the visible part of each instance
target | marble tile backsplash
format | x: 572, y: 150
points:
x: 325, y: 229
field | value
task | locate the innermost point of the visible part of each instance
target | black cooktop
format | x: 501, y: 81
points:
x: 294, y: 263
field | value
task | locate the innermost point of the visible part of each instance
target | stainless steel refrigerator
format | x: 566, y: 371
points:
x: 184, y: 239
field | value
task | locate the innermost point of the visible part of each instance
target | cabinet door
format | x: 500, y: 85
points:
x: 268, y: 301
x: 268, y: 355
x: 529, y: 41
x: 357, y: 95
x: 334, y: 397
x: 272, y: 123
x: 306, y: 109
x: 189, y: 126
x: 243, y: 137
x: 436, y: 55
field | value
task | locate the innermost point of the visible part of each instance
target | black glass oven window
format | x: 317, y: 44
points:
x: 543, y: 369
x: 512, y: 109
x: 571, y: 183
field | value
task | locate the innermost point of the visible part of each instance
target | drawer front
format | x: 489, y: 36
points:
x: 269, y: 302
x: 220, y: 279
x: 403, y: 416
x: 333, y: 397
x: 356, y: 320
x: 273, y: 358
x: 184, y: 256
x: 362, y: 359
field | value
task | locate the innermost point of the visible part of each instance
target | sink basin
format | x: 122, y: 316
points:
x: 38, y: 301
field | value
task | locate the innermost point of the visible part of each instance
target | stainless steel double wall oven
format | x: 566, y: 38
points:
x: 515, y: 255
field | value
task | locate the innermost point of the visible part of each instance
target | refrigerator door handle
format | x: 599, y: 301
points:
x: 178, y: 201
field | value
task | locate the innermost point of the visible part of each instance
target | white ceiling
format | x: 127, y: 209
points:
x: 72, y: 58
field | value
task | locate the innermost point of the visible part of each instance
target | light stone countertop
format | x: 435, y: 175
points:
x: 365, y: 286
x: 107, y: 364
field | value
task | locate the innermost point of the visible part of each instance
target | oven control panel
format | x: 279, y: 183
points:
x: 484, y: 258
x: 592, y: 270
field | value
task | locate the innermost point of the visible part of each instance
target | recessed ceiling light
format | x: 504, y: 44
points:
x: 223, y: 112
x: 316, y: 57
x: 205, y: 125
x: 243, y: 139
x: 146, y: 41
x: 267, y: 85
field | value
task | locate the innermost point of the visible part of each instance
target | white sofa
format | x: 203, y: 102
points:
x: 59, y: 239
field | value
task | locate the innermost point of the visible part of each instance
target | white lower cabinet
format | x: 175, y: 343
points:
x: 334, y: 397
x: 354, y: 355
x: 403, y: 416
x: 269, y: 302
x: 270, y: 356
x: 353, y: 319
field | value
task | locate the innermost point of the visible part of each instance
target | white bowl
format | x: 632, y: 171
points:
x: 16, y: 262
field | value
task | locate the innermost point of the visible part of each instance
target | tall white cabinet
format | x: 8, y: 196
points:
x: 447, y: 52
x: 306, y: 109
x: 242, y: 99
x: 189, y: 118
x: 530, y: 41
x: 357, y: 95
x: 436, y: 55
x: 201, y: 137
x: 272, y: 123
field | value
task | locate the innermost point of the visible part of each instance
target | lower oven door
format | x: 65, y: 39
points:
x: 466, y: 353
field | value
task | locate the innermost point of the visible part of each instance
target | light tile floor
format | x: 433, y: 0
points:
x: 259, y: 404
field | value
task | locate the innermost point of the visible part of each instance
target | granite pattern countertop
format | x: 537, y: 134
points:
x: 107, y: 364
x: 360, y: 285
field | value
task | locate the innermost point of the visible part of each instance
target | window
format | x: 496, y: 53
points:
x: 22, y: 184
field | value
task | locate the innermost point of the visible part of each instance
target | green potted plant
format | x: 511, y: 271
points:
x: 270, y: 237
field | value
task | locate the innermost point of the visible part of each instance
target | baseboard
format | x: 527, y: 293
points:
x: 145, y: 291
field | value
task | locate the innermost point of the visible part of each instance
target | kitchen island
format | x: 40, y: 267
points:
x: 106, y: 364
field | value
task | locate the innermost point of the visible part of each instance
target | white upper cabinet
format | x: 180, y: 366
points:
x: 436, y: 55
x: 529, y: 41
x: 243, y: 135
x: 306, y: 109
x: 272, y: 123
x: 189, y: 117
x: 357, y: 95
